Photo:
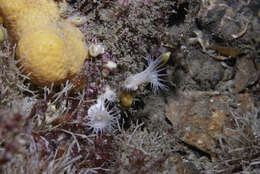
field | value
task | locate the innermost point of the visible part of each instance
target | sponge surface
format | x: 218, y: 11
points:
x: 50, y: 49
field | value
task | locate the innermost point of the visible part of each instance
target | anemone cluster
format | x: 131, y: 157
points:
x: 102, y: 119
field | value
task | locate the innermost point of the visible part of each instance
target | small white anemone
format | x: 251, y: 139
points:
x: 95, y: 50
x: 109, y: 95
x: 77, y: 19
x: 101, y: 119
x: 152, y: 74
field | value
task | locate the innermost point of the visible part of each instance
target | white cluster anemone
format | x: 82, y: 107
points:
x: 152, y: 74
x: 102, y: 119
x: 109, y: 95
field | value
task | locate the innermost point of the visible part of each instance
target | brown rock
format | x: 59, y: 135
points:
x: 202, y: 117
x: 246, y: 74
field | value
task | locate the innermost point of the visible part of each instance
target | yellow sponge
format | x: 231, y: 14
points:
x: 50, y: 49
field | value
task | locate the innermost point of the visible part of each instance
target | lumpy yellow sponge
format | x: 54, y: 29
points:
x: 49, y: 49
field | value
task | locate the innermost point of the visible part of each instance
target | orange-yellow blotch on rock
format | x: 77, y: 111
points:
x: 126, y: 99
x: 49, y: 48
